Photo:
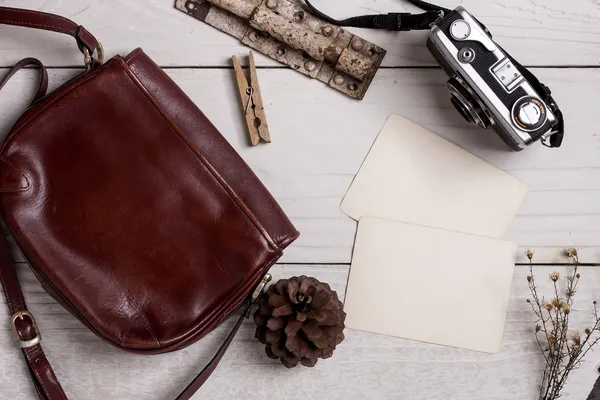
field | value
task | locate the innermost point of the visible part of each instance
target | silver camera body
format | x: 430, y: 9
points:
x: 486, y: 87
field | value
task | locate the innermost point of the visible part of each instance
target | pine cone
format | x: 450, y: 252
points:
x: 300, y: 320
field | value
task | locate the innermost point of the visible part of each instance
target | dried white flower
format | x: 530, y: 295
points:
x: 529, y: 253
x: 556, y: 303
x: 571, y: 252
x: 575, y: 337
x: 564, y: 347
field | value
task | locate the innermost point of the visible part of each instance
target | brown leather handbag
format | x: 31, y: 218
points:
x: 132, y: 210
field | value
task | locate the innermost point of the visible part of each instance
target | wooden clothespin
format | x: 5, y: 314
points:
x: 252, y: 103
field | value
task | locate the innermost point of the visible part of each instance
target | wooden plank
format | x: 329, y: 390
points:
x: 551, y: 32
x: 321, y: 137
x: 365, y: 366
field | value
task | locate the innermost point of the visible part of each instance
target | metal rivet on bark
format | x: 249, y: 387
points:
x: 357, y: 45
x: 253, y: 36
x: 310, y: 65
x: 327, y: 31
x: 271, y: 3
x: 339, y: 80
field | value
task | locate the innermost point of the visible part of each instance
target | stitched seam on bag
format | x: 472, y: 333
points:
x: 150, y: 329
x: 37, y: 14
x: 38, y: 375
x: 9, y: 301
x: 287, y: 239
x: 36, y: 372
x: 41, y: 382
x: 36, y: 25
x: 241, y: 204
x: 124, y: 335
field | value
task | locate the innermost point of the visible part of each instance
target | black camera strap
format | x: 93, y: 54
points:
x: 391, y: 21
x: 432, y: 15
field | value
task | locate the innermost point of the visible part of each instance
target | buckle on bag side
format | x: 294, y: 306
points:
x: 88, y: 58
x: 24, y: 344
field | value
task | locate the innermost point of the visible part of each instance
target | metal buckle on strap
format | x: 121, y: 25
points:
x: 88, y: 58
x: 24, y: 344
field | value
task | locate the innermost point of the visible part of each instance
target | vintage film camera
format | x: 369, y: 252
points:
x: 488, y: 87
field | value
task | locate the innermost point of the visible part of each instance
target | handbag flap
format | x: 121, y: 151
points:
x: 132, y: 209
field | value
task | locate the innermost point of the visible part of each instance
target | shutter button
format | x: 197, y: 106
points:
x: 460, y: 30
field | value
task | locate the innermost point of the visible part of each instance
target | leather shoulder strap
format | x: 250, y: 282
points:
x: 26, y: 331
x: 43, y: 86
x: 50, y: 22
x: 199, y: 380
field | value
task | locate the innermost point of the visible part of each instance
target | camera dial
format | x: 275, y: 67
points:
x: 529, y: 113
x: 465, y: 102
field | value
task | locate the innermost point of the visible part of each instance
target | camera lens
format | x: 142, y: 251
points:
x: 465, y: 101
x: 461, y: 109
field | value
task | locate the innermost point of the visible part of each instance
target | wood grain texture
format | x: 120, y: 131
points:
x: 320, y: 139
x: 365, y: 366
x: 551, y: 32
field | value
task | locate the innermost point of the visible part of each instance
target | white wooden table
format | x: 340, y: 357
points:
x: 320, y: 138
